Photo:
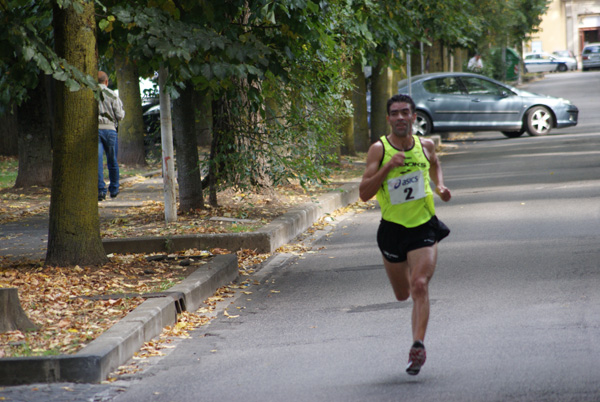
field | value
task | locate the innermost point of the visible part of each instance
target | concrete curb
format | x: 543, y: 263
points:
x: 265, y: 240
x: 119, y: 343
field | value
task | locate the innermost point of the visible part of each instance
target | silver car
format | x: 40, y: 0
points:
x: 590, y: 56
x: 471, y: 102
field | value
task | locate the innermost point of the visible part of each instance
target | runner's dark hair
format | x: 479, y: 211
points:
x: 401, y: 98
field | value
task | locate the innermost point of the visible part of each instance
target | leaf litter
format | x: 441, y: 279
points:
x: 57, y: 299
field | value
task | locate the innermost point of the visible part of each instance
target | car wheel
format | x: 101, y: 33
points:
x: 513, y: 134
x: 422, y: 125
x: 539, y: 121
x: 562, y: 68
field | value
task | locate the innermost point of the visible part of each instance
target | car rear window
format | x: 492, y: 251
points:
x: 591, y: 49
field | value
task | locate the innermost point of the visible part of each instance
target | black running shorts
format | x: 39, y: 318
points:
x: 395, y: 240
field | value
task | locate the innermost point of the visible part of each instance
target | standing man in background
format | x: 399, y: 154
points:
x: 400, y: 168
x: 475, y: 64
x: 110, y: 112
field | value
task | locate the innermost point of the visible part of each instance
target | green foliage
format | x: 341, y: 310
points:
x: 528, y: 17
x: 454, y: 22
x: 494, y: 64
x: 26, y: 49
x: 280, y: 68
x: 245, y: 53
x: 509, y: 22
x: 25, y: 25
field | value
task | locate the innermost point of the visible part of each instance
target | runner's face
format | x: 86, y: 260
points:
x: 401, y: 119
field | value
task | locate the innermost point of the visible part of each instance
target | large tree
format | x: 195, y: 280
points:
x: 186, y: 152
x: 74, y: 230
x: 35, y: 131
x: 115, y: 60
x: 359, y: 103
x: 131, y: 128
x: 9, y: 134
x: 23, y: 84
x: 244, y: 52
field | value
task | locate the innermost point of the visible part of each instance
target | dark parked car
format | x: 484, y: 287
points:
x: 471, y: 102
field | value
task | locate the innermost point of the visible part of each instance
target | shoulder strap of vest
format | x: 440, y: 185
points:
x: 383, y: 147
x: 423, y: 148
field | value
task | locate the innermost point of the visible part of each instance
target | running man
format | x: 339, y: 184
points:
x: 400, y: 168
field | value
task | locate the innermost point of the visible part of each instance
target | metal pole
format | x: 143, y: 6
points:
x: 408, y: 71
x: 168, y: 157
x: 422, y: 57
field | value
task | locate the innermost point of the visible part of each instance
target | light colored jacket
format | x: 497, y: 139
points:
x: 110, y: 110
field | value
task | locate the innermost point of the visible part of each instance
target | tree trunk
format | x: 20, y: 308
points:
x: 186, y: 151
x: 359, y: 101
x: 460, y: 58
x: 398, y: 75
x: 347, y: 129
x: 221, y: 131
x: 9, y: 131
x: 74, y: 228
x: 437, y: 57
x: 12, y: 316
x: 379, y: 98
x: 131, y: 128
x: 35, y: 149
x: 418, y: 59
x: 203, y: 117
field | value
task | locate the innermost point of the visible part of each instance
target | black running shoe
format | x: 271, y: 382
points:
x: 416, y: 358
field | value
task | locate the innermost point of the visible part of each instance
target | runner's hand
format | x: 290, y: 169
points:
x: 397, y: 160
x: 444, y: 193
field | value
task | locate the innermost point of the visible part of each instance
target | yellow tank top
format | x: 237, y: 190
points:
x: 405, y: 197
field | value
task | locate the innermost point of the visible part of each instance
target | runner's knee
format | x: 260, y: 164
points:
x: 402, y: 295
x: 419, y: 287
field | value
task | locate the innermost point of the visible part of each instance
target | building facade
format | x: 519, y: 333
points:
x: 567, y: 25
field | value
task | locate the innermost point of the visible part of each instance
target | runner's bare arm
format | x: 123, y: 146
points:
x: 435, y: 170
x: 374, y: 175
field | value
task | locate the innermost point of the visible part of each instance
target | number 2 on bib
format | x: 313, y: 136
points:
x: 408, y: 187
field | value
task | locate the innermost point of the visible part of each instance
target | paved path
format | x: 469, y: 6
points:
x: 27, y: 238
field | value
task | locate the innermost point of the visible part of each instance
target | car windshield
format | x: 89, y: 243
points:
x: 564, y: 53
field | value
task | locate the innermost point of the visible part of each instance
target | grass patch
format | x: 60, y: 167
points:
x: 9, y: 167
x: 166, y: 284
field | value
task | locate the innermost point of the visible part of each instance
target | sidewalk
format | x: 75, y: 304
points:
x: 27, y: 238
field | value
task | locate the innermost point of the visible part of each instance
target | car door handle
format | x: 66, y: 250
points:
x: 431, y: 100
x: 476, y: 100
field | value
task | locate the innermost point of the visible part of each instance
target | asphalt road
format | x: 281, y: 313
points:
x: 582, y: 88
x: 515, y: 297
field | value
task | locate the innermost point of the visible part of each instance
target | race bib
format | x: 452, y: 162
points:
x: 406, y: 188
